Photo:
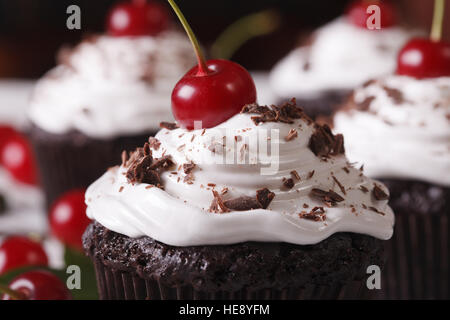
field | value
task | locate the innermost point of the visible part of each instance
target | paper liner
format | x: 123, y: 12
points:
x: 418, y: 258
x: 76, y: 161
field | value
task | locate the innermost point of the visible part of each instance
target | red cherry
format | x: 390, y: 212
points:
x: 137, y: 19
x: 38, y: 285
x: 357, y: 13
x: 68, y: 218
x: 16, y: 252
x: 5, y: 133
x: 17, y: 157
x: 213, y: 97
x: 424, y: 58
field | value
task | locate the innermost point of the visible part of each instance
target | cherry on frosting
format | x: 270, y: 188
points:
x: 424, y: 58
x: 211, y: 92
x: 37, y: 285
x: 427, y: 58
x: 357, y: 14
x: 16, y: 252
x: 68, y: 219
x: 137, y: 18
x: 17, y: 158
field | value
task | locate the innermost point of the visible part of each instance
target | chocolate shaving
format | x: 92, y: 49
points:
x: 295, y: 174
x: 365, y: 104
x: 286, y: 113
x: 264, y: 197
x: 376, y: 210
x: 291, y: 135
x: 311, y: 174
x: 364, y: 189
x: 339, y: 184
x: 316, y: 214
x: 143, y: 168
x: 395, y: 94
x: 288, y: 183
x: 168, y: 125
x: 242, y: 204
x: 379, y: 193
x: 154, y: 143
x: 217, y: 204
x: 330, y: 198
x: 188, y: 167
x: 324, y: 144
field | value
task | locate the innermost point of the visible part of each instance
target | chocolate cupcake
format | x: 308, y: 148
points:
x: 21, y: 200
x: 107, y: 94
x: 209, y: 214
x: 399, y: 127
x: 337, y: 58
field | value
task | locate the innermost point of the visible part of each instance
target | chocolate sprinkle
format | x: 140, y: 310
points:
x: 168, y: 125
x: 324, y: 144
x: 379, y: 193
x: 316, y: 214
x: 395, y: 94
x: 339, y: 184
x: 330, y: 198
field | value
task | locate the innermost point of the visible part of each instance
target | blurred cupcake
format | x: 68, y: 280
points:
x: 399, y: 127
x: 21, y: 201
x: 107, y: 94
x: 339, y: 56
x: 178, y: 221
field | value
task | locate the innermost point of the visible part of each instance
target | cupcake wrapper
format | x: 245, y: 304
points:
x: 119, y: 285
x: 418, y: 258
x: 75, y: 161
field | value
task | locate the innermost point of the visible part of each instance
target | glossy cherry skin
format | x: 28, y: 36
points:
x: 357, y: 13
x: 423, y: 58
x: 39, y: 285
x: 132, y: 19
x: 212, y: 98
x: 17, y: 158
x: 17, y: 252
x: 68, y: 219
x: 5, y: 133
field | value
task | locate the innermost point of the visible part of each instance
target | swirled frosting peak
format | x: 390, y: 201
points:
x: 400, y: 128
x: 266, y: 174
x: 340, y: 56
x: 109, y: 86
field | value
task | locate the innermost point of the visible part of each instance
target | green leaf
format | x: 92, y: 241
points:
x: 88, y: 289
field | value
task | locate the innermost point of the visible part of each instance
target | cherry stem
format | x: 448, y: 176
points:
x: 202, y: 68
x: 15, y: 295
x: 438, y: 20
x: 242, y: 30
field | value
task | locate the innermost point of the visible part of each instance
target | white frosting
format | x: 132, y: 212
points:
x: 341, y: 57
x: 180, y: 216
x: 25, y: 207
x: 103, y: 90
x: 14, y: 95
x: 410, y: 139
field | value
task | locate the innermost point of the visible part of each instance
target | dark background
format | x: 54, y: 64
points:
x: 31, y: 31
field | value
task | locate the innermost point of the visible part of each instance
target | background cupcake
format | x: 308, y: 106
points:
x: 338, y: 57
x: 399, y: 126
x: 21, y: 201
x: 107, y: 94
